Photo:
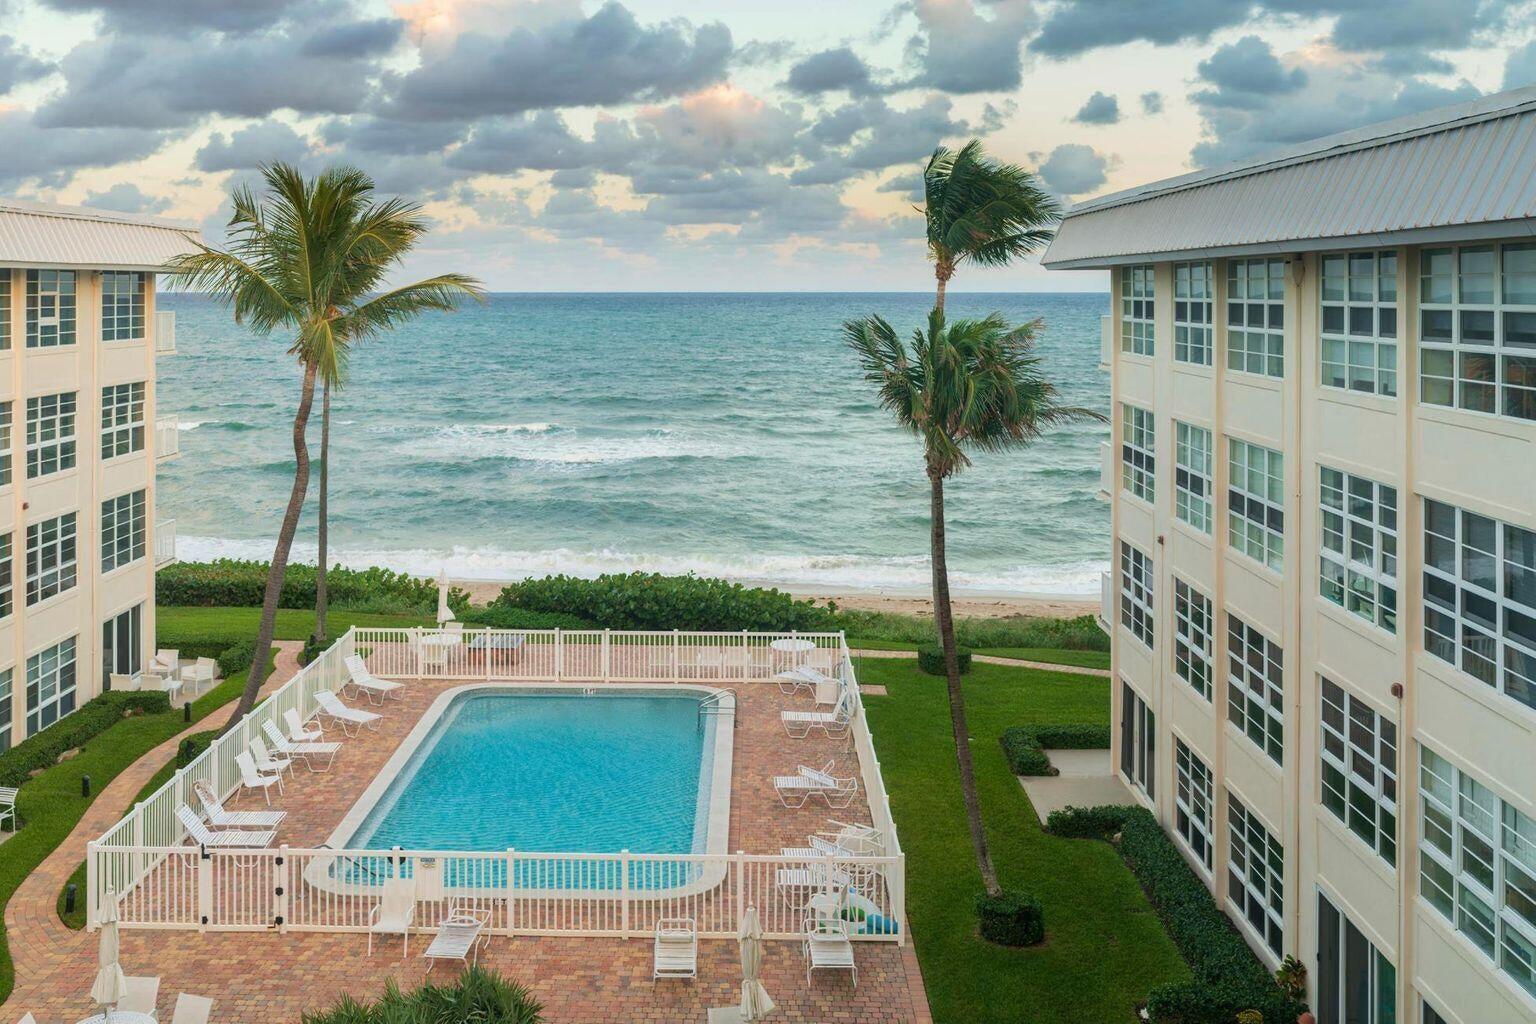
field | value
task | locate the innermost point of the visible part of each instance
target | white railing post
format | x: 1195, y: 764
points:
x: 746, y: 654
x: 741, y: 888
x: 559, y: 654
x: 204, y: 888
x: 624, y: 892
x: 677, y: 671
x: 280, y: 877
x: 511, y: 888
x: 899, y: 898
x: 607, y: 656
x: 92, y: 884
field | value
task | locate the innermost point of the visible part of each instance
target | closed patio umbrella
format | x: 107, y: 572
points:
x: 755, y: 1002
x: 444, y: 613
x: 110, y: 985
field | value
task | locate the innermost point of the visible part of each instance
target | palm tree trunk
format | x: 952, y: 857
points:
x: 321, y: 596
x: 946, y: 623
x: 943, y: 271
x: 279, y: 568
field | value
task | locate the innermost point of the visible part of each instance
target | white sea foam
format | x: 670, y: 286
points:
x: 194, y: 424
x: 550, y: 444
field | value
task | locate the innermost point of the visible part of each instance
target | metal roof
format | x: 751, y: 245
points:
x: 1465, y: 171
x: 42, y: 235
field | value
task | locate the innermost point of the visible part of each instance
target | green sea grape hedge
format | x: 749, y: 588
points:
x: 930, y: 658
x: 231, y: 582
x: 91, y: 719
x: 501, y: 616
x: 1228, y: 977
x: 1025, y: 746
x: 651, y: 601
x: 1010, y: 918
x: 1081, y: 633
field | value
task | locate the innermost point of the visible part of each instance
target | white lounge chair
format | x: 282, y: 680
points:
x: 266, y: 761
x: 801, y: 677
x: 847, y: 841
x: 27, y: 1018
x: 676, y: 950
x: 310, y: 752
x: 827, y: 948
x: 141, y: 996
x: 8, y: 805
x: 332, y: 707
x: 394, y: 913
x: 203, y: 836
x: 835, y: 723
x: 203, y: 671
x: 218, y: 817
x: 250, y: 778
x: 460, y: 935
x: 298, y: 732
x: 795, y: 790
x: 370, y: 685
x: 192, y: 1009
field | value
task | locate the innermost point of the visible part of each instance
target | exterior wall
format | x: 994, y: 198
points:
x: 1478, y: 462
x: 85, y: 368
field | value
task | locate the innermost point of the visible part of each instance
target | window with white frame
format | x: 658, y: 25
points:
x: 1138, y: 442
x: 1356, y: 983
x: 1136, y: 311
x: 122, y: 419
x: 1480, y: 598
x: 5, y: 443
x: 7, y: 576
x: 51, y: 564
x: 1256, y: 502
x: 50, y: 434
x: 1136, y: 579
x: 1256, y: 687
x: 1194, y: 293
x: 122, y: 305
x: 50, y: 685
x: 5, y: 308
x: 1255, y: 873
x: 1138, y: 741
x: 6, y: 703
x: 1359, y: 768
x: 1477, y: 328
x: 1357, y: 564
x: 1192, y: 802
x: 50, y: 308
x: 1359, y: 322
x: 1256, y: 317
x: 1192, y: 629
x: 123, y: 530
x: 1192, y: 485
x: 1477, y: 865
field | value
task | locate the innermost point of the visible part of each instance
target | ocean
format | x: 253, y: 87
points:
x: 727, y: 434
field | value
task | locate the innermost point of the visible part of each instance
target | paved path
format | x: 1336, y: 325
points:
x: 992, y: 659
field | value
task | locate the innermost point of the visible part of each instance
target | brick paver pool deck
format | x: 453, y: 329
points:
x: 266, y: 976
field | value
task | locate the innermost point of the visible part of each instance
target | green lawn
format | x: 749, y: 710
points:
x: 1054, y: 655
x: 292, y: 623
x: 1104, y: 948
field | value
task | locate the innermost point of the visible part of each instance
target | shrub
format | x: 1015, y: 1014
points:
x: 652, y: 601
x: 930, y: 659
x: 1010, y: 918
x: 91, y: 719
x: 1025, y: 746
x: 1228, y: 978
x: 478, y: 994
x: 237, y: 657
x: 1076, y: 634
x: 314, y: 647
x: 243, y: 583
x: 501, y: 616
x: 190, y: 748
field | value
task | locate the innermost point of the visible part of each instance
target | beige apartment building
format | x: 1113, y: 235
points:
x: 1323, y: 589
x: 79, y: 443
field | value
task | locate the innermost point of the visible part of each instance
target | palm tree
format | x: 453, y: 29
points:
x: 980, y: 211
x: 309, y: 258
x: 969, y: 386
x: 322, y: 514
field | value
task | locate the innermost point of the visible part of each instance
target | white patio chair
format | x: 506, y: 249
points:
x: 394, y: 913
x: 795, y: 790
x: 122, y: 682
x: 218, y: 817
x: 203, y: 836
x: 347, y: 717
x: 203, y: 671
x: 142, y: 993
x: 8, y: 805
x: 298, y: 732
x: 172, y: 686
x: 192, y: 1009
x: 460, y: 935
x: 166, y: 661
x: 309, y: 751
x: 675, y: 953
x: 369, y: 685
x: 266, y: 761
x: 800, y: 888
x: 827, y: 947
x: 835, y: 723
x: 250, y: 778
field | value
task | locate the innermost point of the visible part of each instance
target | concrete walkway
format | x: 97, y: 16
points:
x: 1087, y: 779
x: 991, y: 659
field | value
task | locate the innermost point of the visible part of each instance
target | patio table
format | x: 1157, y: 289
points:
x: 793, y: 647
x: 121, y: 1017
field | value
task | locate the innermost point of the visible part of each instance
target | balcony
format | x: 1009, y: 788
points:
x: 1106, y: 341
x: 167, y: 438
x: 1106, y: 603
x: 1106, y: 471
x: 165, y: 542
x: 165, y: 332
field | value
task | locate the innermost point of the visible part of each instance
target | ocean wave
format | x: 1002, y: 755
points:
x: 897, y: 574
x: 550, y: 444
x: 221, y: 424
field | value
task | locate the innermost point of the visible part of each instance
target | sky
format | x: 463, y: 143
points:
x: 703, y: 145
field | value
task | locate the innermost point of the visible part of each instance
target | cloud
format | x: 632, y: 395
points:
x: 1151, y: 103
x: 1245, y: 75
x: 1099, y: 109
x: 51, y: 156
x: 263, y: 143
x: 375, y: 135
x: 828, y: 71
x: 177, y: 17
x: 125, y: 197
x: 1073, y: 169
x: 355, y: 39
x: 1081, y: 25
x: 18, y: 66
x: 1520, y: 67
x: 958, y: 50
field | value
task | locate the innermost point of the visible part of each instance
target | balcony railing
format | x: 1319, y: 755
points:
x: 167, y: 437
x: 165, y: 542
x: 1106, y: 341
x: 165, y: 332
x: 1106, y: 470
x: 1107, y: 603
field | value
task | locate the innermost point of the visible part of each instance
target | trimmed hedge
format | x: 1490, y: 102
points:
x: 930, y: 659
x: 1025, y: 745
x: 652, y: 601
x: 191, y: 748
x: 237, y: 657
x: 243, y: 583
x: 477, y: 995
x: 1011, y: 918
x: 91, y: 719
x: 1228, y: 977
x: 501, y: 616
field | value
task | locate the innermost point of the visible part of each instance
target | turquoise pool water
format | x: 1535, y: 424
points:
x: 553, y: 771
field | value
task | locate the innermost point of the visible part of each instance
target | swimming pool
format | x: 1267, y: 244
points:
x: 553, y: 769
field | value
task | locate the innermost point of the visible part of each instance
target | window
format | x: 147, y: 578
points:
x: 1255, y: 687
x: 1136, y: 297
x: 1256, y: 317
x: 1359, y: 330
x: 1138, y: 442
x: 122, y: 305
x: 6, y: 698
x: 1192, y: 637
x: 1480, y: 598
x: 1192, y: 802
x: 1359, y: 769
x: 1193, y: 292
x: 5, y: 444
x: 1477, y: 328
x: 50, y: 434
x: 50, y: 557
x: 1358, y: 562
x: 122, y: 530
x: 7, y: 578
x: 1136, y: 592
x: 50, y: 308
x: 1256, y: 503
x: 5, y: 308
x: 1355, y: 982
x: 1192, y: 486
x: 1477, y: 865
x: 50, y: 685
x: 1138, y: 741
x: 1255, y: 869
x: 122, y: 419
x: 122, y: 645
